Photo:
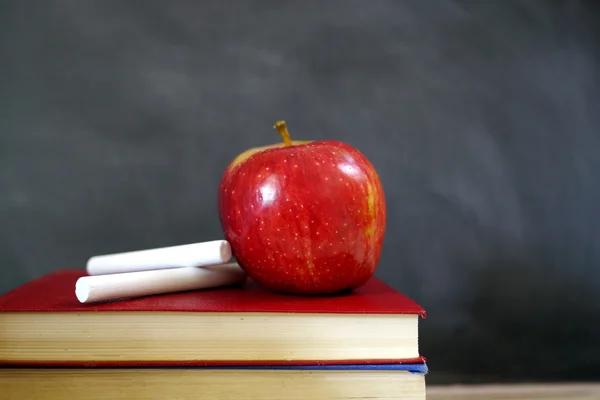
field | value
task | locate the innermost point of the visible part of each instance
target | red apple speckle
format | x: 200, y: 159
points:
x: 304, y: 218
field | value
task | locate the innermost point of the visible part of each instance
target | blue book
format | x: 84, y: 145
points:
x: 276, y: 382
x: 420, y: 368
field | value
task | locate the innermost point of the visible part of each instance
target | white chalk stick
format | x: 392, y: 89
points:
x: 187, y: 255
x: 95, y: 288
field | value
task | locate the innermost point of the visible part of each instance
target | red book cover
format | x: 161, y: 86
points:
x: 55, y: 292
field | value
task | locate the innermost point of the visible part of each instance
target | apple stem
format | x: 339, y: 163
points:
x: 283, y: 132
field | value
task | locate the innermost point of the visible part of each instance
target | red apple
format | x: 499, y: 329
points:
x: 304, y: 217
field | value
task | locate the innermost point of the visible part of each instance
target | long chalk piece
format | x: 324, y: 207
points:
x: 187, y: 255
x: 97, y: 288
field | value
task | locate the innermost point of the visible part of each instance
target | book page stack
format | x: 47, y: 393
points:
x: 233, y: 342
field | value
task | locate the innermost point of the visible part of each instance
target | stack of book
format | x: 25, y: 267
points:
x: 236, y: 342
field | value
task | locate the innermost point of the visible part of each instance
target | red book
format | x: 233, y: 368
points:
x: 42, y: 323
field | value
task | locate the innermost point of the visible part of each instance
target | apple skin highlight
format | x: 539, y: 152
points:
x: 304, y: 217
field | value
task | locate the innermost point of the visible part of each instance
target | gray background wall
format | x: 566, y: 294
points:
x: 117, y: 119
